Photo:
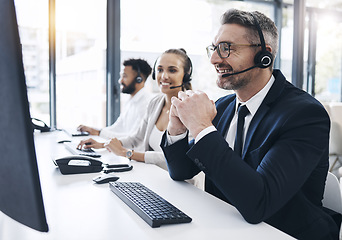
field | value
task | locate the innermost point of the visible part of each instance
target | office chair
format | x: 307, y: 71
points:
x: 335, y: 146
x: 332, y: 197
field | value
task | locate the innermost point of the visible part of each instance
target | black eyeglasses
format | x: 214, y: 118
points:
x: 223, y: 48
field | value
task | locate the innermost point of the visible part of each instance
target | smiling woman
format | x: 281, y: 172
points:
x: 172, y: 72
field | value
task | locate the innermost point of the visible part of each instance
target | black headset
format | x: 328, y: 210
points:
x: 186, y: 77
x: 264, y: 58
x: 138, y: 79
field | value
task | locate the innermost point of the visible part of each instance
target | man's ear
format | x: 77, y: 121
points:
x: 268, y: 48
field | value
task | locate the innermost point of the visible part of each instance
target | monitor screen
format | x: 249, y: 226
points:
x: 20, y: 190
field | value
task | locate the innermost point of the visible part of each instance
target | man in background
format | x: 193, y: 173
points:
x: 132, y: 80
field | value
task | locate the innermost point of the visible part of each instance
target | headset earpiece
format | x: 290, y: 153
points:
x: 138, y: 79
x: 264, y: 58
x: 154, y: 70
x: 187, y: 76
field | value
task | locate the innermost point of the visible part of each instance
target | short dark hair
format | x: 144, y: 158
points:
x: 245, y: 19
x: 139, y: 64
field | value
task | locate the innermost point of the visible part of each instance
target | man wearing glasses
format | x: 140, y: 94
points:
x: 263, y: 149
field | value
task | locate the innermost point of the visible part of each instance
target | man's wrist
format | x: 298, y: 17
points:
x: 194, y: 131
x: 204, y: 132
x: 176, y: 132
x: 172, y: 139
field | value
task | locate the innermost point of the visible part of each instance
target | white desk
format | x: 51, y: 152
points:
x: 76, y: 208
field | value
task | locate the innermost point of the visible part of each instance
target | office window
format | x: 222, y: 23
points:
x: 33, y: 20
x: 286, y: 48
x: 80, y: 63
x: 327, y: 28
x: 328, y: 58
x: 332, y: 4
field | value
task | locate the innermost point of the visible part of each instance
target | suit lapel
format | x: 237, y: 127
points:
x: 271, y: 96
x: 259, y: 115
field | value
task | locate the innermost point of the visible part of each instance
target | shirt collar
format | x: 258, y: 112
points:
x: 254, y: 103
x: 138, y: 95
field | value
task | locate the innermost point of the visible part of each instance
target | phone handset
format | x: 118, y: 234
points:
x: 40, y: 125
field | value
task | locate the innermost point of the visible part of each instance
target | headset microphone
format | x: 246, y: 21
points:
x: 234, y: 73
x: 173, y: 87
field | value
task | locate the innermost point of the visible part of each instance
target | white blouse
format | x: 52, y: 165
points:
x: 155, y: 139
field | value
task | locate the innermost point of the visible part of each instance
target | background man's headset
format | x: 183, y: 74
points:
x: 138, y: 78
x: 186, y: 77
x: 263, y: 59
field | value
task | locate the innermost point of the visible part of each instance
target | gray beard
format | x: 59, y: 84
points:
x: 233, y: 82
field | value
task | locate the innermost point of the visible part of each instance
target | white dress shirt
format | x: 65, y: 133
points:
x: 130, y: 119
x: 252, y: 104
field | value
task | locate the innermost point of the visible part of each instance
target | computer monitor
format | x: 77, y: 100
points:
x: 20, y: 190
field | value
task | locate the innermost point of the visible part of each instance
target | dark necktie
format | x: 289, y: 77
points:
x: 242, y: 113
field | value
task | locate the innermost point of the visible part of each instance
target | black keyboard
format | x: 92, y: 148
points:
x: 84, y: 152
x: 148, y: 205
x: 75, y: 133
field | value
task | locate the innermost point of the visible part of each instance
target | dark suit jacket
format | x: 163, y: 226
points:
x: 281, y: 176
